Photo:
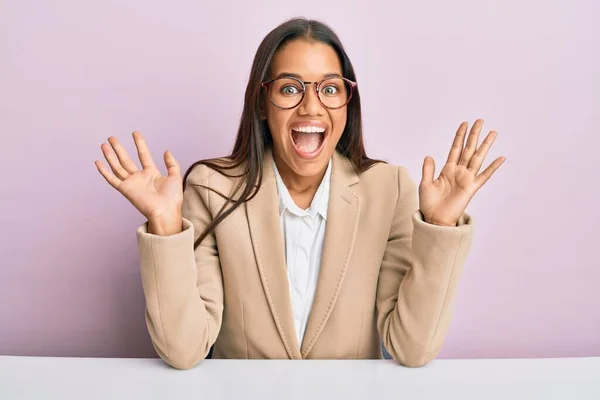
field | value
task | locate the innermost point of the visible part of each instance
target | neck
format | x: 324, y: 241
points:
x: 301, y: 188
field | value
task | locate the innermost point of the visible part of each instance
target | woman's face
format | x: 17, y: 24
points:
x: 304, y: 137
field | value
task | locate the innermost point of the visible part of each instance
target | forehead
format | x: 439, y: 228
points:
x: 311, y: 60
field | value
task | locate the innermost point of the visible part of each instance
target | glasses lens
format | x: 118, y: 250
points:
x: 334, y: 92
x: 286, y: 92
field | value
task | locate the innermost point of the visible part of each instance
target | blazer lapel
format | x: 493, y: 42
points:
x: 267, y: 240
x: 342, y: 224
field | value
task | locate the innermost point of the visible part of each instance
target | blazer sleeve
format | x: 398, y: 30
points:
x: 183, y: 288
x: 419, y: 274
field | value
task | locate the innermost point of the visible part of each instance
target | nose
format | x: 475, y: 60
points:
x: 310, y: 104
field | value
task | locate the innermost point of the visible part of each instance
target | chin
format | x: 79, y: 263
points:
x: 312, y: 167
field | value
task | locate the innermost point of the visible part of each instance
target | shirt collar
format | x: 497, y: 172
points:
x: 320, y: 201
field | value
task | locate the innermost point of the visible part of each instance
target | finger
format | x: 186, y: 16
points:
x: 458, y: 143
x: 479, y: 156
x: 110, y: 178
x: 113, y: 161
x: 122, y: 155
x: 172, y: 165
x: 471, y: 146
x: 489, y: 171
x: 143, y: 151
x: 428, y: 169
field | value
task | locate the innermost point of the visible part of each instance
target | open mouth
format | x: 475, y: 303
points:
x: 308, y: 140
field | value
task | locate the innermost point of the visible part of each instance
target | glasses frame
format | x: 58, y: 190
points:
x: 316, y: 85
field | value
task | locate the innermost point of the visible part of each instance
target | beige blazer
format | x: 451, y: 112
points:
x: 386, y: 274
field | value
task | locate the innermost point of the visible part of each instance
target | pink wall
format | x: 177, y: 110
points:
x: 73, y: 73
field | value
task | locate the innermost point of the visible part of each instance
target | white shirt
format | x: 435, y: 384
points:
x: 303, y: 235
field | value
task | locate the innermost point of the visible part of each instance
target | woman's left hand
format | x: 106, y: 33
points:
x: 444, y: 200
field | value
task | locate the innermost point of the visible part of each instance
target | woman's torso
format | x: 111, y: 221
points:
x: 257, y: 319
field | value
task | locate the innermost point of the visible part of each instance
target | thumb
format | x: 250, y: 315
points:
x: 172, y: 165
x: 428, y: 169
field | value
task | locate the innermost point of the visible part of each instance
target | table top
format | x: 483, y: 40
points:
x: 118, y: 378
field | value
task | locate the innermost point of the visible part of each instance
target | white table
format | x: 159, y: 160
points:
x: 104, y: 378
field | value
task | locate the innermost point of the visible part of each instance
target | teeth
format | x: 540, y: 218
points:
x: 309, y: 129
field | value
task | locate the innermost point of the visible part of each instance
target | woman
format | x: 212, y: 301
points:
x: 298, y: 245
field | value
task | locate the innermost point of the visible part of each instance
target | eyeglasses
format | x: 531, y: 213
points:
x: 287, y: 92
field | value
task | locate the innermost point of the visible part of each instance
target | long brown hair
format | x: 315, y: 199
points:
x: 254, y: 137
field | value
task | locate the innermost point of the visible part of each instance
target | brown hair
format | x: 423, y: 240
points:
x: 254, y: 137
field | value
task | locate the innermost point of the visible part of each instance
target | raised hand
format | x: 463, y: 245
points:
x: 158, y: 198
x: 443, y: 201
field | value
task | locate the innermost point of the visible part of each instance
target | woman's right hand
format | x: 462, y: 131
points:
x: 159, y: 198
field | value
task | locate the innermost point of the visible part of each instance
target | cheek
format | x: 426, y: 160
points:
x: 338, y: 120
x: 277, y: 120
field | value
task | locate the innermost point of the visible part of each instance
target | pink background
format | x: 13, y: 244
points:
x: 73, y: 73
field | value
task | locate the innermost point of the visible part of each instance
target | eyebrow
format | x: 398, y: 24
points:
x: 292, y: 75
